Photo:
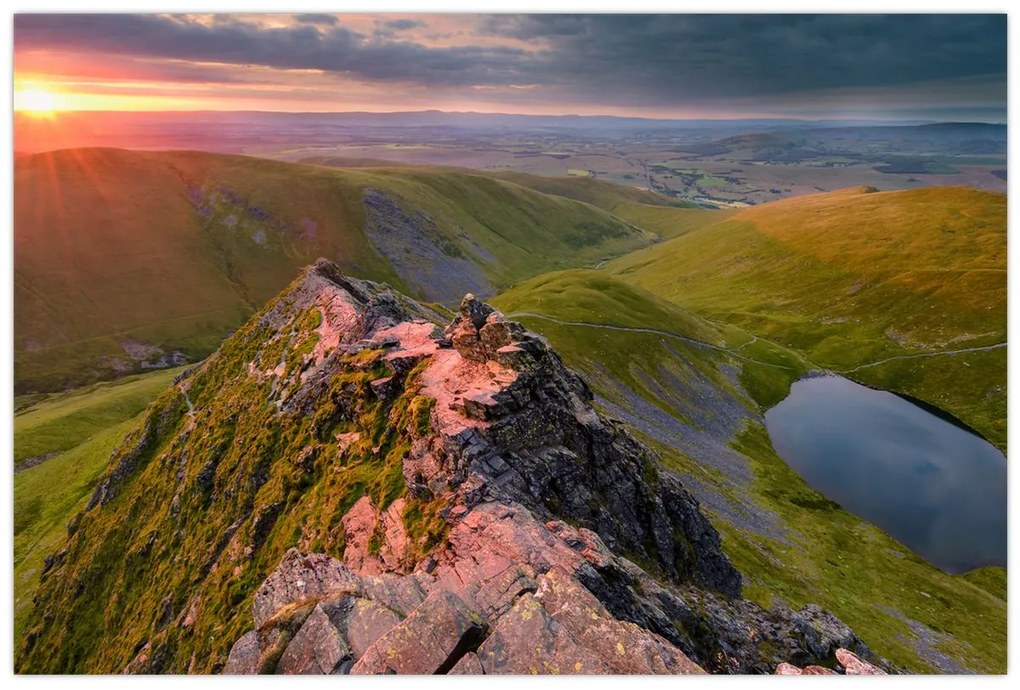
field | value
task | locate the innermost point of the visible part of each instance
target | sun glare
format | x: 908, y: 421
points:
x: 36, y: 101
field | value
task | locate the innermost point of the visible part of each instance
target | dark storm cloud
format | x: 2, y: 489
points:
x: 403, y: 24
x: 730, y: 55
x: 302, y: 46
x: 323, y: 19
x: 643, y: 60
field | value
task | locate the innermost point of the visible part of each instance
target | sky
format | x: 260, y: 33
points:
x: 663, y: 66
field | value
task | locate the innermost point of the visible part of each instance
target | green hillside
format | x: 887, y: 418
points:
x: 600, y: 193
x: 856, y: 277
x: 701, y: 409
x: 73, y: 434
x: 126, y: 257
x: 667, y: 221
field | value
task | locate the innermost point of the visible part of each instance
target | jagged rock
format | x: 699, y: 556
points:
x: 258, y: 651
x: 469, y: 665
x: 625, y: 647
x: 851, y: 665
x: 543, y: 493
x: 529, y: 511
x: 527, y: 640
x: 818, y: 671
x: 302, y: 578
x: 822, y: 633
x: 430, y: 640
x: 244, y: 655
x: 397, y: 593
x: 360, y: 525
x: 317, y: 648
x: 366, y: 623
x: 855, y: 666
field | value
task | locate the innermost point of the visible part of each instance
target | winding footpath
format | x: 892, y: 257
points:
x: 737, y: 351
x: 653, y: 331
x: 183, y: 388
x: 939, y: 353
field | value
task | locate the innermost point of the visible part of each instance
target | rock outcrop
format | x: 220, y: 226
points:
x: 548, y: 505
x: 848, y: 664
x: 367, y: 492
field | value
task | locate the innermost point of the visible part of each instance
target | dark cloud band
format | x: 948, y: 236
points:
x: 642, y: 60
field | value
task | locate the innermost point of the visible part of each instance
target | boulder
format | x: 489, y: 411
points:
x: 367, y: 622
x: 625, y: 647
x: 528, y: 641
x: 317, y: 648
x: 244, y: 656
x: 302, y: 578
x: 855, y: 666
x: 431, y: 640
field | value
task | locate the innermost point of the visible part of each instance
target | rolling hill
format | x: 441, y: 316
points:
x: 600, y: 193
x: 128, y: 259
x: 696, y: 390
x: 900, y: 290
x: 686, y: 342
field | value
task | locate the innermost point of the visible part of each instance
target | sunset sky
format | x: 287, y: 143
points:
x: 813, y: 66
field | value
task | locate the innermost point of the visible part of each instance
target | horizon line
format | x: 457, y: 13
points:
x: 924, y: 120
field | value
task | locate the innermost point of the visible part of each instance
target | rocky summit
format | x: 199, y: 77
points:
x: 347, y: 486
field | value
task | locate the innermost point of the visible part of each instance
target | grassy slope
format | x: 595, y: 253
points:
x: 600, y: 193
x: 606, y: 195
x: 668, y: 222
x: 833, y: 558
x: 83, y: 427
x: 235, y: 486
x: 59, y: 422
x: 852, y: 277
x: 176, y: 249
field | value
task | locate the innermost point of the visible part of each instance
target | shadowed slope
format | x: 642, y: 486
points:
x: 128, y: 260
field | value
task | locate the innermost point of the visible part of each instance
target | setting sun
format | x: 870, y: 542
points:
x: 37, y: 101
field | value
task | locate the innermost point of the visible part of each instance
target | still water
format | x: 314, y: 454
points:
x: 934, y: 486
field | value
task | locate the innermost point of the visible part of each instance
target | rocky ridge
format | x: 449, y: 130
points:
x: 366, y: 492
x: 540, y: 494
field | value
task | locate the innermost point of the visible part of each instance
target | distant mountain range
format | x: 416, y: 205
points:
x: 231, y: 130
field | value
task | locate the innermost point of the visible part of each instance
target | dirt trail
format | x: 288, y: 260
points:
x: 921, y: 355
x: 183, y: 388
x: 735, y: 352
x: 654, y: 331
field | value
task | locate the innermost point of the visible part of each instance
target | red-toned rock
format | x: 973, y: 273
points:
x: 785, y: 669
x: 244, y: 656
x: 497, y: 594
x: 469, y: 665
x: 398, y: 593
x: 430, y: 640
x: 258, y: 651
x: 302, y: 578
x: 317, y: 647
x: 360, y: 524
x: 855, y: 666
x: 367, y: 621
x: 528, y: 641
x: 818, y: 671
x: 395, y: 542
x: 543, y: 496
x: 623, y: 646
